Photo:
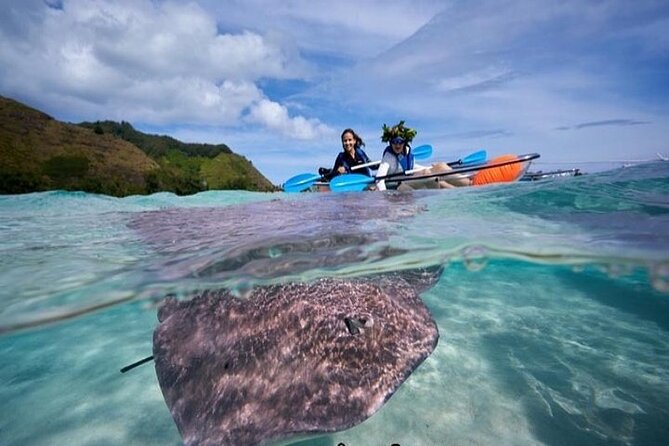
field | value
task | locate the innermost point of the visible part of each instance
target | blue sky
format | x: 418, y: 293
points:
x: 583, y: 83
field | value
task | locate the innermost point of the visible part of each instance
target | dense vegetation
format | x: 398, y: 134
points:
x: 154, y: 145
x: 38, y: 153
x: 187, y: 168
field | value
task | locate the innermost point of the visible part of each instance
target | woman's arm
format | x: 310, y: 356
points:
x: 338, y: 166
x: 389, y: 165
x: 383, y: 170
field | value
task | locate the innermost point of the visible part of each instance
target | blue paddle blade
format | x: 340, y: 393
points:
x: 472, y: 159
x: 475, y: 158
x: 352, y: 182
x: 422, y: 152
x: 300, y: 182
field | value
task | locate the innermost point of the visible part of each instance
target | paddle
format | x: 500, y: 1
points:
x: 356, y: 182
x: 304, y: 181
x: 419, y: 153
x: 300, y: 182
x: 472, y: 159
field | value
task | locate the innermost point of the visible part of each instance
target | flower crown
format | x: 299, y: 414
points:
x: 406, y: 133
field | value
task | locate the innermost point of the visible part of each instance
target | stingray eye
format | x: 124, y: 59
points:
x: 351, y: 326
x: 354, y: 324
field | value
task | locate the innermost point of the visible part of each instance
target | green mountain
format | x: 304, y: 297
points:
x: 154, y: 145
x: 39, y: 153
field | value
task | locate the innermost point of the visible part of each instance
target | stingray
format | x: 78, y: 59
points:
x: 271, y: 239
x: 290, y: 360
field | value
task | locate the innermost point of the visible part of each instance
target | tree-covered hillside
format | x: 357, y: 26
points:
x: 39, y: 153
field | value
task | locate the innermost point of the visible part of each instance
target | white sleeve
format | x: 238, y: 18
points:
x: 383, y: 170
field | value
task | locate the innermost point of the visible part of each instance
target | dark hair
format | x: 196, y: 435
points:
x: 358, y: 140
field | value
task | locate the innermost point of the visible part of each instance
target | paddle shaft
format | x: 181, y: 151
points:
x: 369, y: 164
x: 376, y: 163
x: 459, y: 162
x: 420, y: 152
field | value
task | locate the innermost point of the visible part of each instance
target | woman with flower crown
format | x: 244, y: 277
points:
x: 397, y: 158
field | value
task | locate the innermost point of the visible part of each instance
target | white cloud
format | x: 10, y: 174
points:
x: 487, y: 78
x: 275, y: 116
x: 344, y: 28
x: 505, y: 74
x: 142, y: 61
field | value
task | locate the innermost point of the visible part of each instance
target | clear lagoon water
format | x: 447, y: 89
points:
x: 553, y: 307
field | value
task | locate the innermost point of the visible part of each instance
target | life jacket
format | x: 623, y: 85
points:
x: 359, y: 155
x: 404, y: 159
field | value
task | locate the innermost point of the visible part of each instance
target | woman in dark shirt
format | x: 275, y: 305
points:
x: 352, y: 155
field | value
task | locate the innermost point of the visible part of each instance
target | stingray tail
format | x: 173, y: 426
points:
x: 137, y: 364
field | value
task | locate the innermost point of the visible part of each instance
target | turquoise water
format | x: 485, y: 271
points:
x: 553, y: 308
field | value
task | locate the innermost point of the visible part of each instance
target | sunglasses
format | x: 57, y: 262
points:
x: 397, y: 140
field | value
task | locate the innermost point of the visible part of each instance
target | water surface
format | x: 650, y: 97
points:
x: 553, y: 308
